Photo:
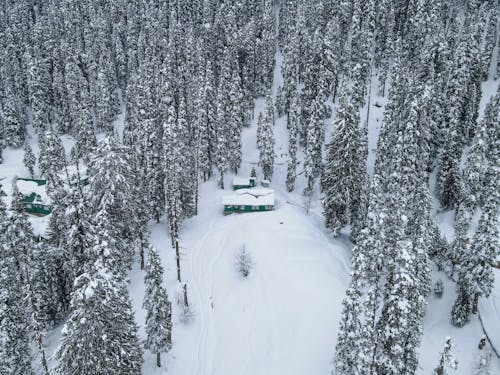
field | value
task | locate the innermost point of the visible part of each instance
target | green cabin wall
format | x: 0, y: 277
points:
x: 231, y: 209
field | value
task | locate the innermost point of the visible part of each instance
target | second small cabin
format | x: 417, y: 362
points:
x: 243, y: 183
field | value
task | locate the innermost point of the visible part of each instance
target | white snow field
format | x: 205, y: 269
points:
x: 282, y: 318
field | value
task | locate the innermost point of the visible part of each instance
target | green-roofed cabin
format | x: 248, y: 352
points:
x: 34, y: 205
x: 249, y: 200
x: 243, y: 183
x: 31, y: 190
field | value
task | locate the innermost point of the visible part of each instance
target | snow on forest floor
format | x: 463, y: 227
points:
x: 283, y: 318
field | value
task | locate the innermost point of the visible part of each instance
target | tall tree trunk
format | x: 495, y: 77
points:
x: 178, y: 260
x: 221, y: 181
x: 475, y: 303
x: 141, y: 251
x: 186, y: 302
x: 158, y: 359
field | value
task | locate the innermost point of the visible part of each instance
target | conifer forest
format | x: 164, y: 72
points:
x: 261, y: 187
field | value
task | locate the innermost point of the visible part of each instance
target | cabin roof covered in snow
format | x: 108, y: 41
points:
x: 250, y: 197
x: 27, y: 187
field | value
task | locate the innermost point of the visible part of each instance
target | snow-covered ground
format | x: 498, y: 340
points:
x: 283, y: 318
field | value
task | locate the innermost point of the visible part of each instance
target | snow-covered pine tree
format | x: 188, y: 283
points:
x: 476, y: 266
x: 39, y: 85
x: 461, y: 118
x: 236, y: 117
x: 475, y: 169
x: 362, y: 28
x: 52, y: 156
x: 70, y: 91
x: 187, y: 176
x: 358, y: 340
x: 29, y: 159
x: 344, y: 169
x: 293, y: 130
x: 222, y: 132
x: 113, y: 184
x: 85, y: 135
x: 107, y: 102
x: 462, y: 308
x: 158, y: 308
x: 315, y: 135
x: 265, y: 139
x: 446, y: 359
x: 101, y: 315
x: 15, y: 356
x: 400, y: 326
x: 19, y: 234
x: 46, y: 292
x: 347, y: 358
x: 205, y: 122
x: 14, y: 126
x: 489, y: 42
x: 265, y: 45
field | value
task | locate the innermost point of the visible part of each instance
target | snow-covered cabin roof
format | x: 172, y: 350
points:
x: 27, y: 187
x: 242, y: 181
x: 250, y: 197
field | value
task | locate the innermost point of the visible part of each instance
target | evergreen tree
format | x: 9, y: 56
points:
x: 314, y: 143
x: 101, y: 315
x: 460, y: 313
x: 489, y: 42
x: 357, y: 336
x: 113, y: 187
x: 14, y: 126
x: 39, y: 88
x: 344, y: 170
x: 236, y: 118
x: 29, y: 159
x: 107, y: 103
x: 15, y: 356
x: 293, y: 129
x: 475, y: 169
x: 476, y: 267
x: 401, y: 321
x: 265, y: 139
x: 446, y: 360
x: 46, y: 292
x: 205, y: 122
x: 85, y: 136
x: 158, y: 308
x: 52, y: 156
x: 221, y: 125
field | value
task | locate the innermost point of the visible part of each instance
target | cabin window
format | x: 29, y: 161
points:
x: 242, y: 207
x: 28, y: 206
x: 255, y: 207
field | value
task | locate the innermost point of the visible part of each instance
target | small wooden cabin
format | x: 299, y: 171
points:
x: 34, y: 196
x: 249, y: 200
x: 243, y: 183
x: 34, y: 205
